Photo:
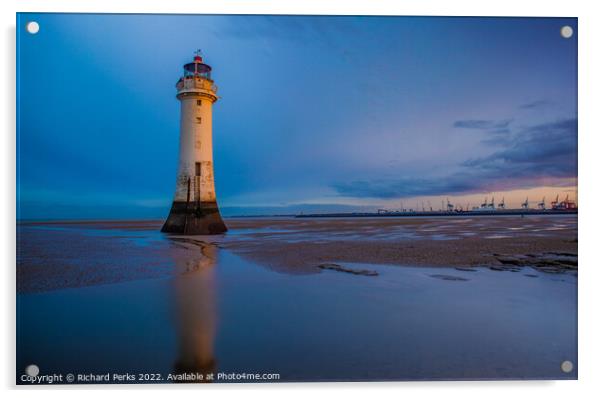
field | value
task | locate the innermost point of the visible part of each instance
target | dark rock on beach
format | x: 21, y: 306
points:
x: 340, y: 268
x: 449, y: 278
x: 466, y: 269
x: 548, y: 262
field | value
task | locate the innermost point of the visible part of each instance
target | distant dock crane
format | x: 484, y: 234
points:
x: 525, y: 204
x: 450, y: 207
x: 484, y: 204
x: 542, y: 205
x: 566, y: 204
x: 502, y: 204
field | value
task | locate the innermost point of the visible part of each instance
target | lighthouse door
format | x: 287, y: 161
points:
x: 197, y: 182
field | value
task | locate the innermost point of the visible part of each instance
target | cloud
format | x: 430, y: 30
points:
x: 536, y: 146
x: 322, y: 31
x: 405, y: 187
x: 543, y: 153
x: 535, y: 104
x: 496, y: 140
x: 498, y: 130
x: 497, y: 137
x: 482, y: 124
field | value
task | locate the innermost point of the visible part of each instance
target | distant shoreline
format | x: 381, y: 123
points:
x: 310, y: 215
x: 443, y: 213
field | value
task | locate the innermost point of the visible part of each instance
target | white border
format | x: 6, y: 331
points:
x: 590, y: 194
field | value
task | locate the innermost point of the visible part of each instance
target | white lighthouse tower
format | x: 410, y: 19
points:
x: 194, y: 209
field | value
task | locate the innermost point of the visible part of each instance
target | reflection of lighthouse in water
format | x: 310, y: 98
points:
x: 194, y: 209
x: 195, y: 307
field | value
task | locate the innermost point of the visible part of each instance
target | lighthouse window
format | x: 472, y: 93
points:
x: 198, y: 120
x: 197, y: 168
x: 199, y: 102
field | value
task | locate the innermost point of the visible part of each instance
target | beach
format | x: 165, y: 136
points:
x: 298, y: 245
x: 306, y: 299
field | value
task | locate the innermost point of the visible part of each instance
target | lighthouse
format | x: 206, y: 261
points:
x: 194, y: 210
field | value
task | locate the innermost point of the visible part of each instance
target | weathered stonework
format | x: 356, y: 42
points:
x: 191, y: 219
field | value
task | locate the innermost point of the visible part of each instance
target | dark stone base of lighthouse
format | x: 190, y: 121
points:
x: 194, y: 219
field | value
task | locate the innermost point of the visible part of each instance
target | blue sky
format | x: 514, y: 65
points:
x: 316, y: 113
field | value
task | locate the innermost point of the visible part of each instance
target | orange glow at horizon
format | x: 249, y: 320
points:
x: 512, y: 199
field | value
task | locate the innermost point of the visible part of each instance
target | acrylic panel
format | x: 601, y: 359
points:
x: 230, y: 198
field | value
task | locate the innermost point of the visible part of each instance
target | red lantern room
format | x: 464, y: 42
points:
x: 197, y: 69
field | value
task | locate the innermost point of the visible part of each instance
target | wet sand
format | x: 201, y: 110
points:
x: 94, y: 256
x: 300, y: 245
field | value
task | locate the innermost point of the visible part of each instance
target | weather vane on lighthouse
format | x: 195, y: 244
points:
x: 194, y: 210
